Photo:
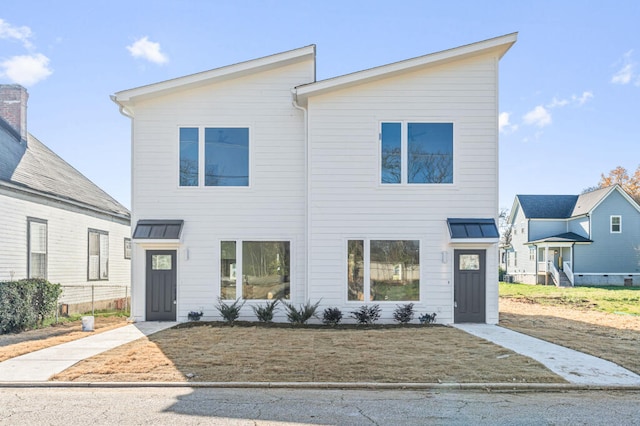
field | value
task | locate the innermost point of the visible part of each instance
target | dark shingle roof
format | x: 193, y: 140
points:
x: 587, y: 201
x: 547, y: 206
x: 39, y: 169
x: 567, y: 237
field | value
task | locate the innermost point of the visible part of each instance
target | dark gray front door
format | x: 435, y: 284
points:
x: 161, y: 285
x: 469, y: 286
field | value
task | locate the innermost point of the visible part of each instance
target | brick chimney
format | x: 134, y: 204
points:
x: 13, y: 107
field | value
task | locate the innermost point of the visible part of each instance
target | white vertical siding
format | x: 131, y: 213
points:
x: 67, y: 244
x: 271, y: 208
x: 346, y: 200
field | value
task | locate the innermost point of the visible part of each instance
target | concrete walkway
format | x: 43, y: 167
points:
x: 39, y: 366
x: 575, y: 367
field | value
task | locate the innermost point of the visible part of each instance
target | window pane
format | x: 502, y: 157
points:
x: 104, y: 256
x: 228, y: 270
x: 161, y: 262
x: 395, y: 270
x: 94, y: 255
x: 355, y: 272
x: 189, y: 156
x: 226, y: 157
x: 469, y: 262
x: 37, y: 250
x: 390, y: 161
x: 430, y: 147
x: 265, y: 270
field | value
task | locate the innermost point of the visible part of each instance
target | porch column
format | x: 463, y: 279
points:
x: 546, y: 264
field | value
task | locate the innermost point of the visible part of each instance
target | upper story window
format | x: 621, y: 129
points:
x: 37, y: 248
x: 225, y: 152
x: 98, y: 268
x: 616, y: 224
x: 416, y: 153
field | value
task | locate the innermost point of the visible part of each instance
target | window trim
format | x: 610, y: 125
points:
x: 239, y: 267
x: 44, y: 222
x: 202, y: 160
x: 127, y: 241
x: 367, y: 269
x: 404, y: 153
x: 611, y: 224
x: 100, y: 233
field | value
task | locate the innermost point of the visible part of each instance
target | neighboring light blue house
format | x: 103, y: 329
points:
x: 587, y: 239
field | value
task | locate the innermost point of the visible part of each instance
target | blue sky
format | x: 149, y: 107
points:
x: 569, y: 88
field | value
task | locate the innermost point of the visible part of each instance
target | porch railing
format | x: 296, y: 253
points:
x: 568, y: 271
x: 542, y: 267
x: 554, y: 272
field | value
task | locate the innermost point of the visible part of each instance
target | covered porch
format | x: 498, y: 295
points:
x: 554, y: 258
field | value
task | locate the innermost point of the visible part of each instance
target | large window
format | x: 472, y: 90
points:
x: 383, y: 270
x: 225, y: 152
x: 616, y: 224
x: 98, y: 268
x: 37, y: 248
x: 255, y: 269
x: 416, y: 153
x: 189, y: 164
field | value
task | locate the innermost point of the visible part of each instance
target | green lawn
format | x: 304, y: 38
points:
x: 606, y: 299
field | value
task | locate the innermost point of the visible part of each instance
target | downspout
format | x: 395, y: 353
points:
x: 129, y: 114
x: 307, y: 228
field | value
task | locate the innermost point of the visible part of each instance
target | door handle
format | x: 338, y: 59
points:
x: 455, y: 304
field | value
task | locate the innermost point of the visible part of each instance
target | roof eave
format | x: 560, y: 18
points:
x: 498, y: 44
x: 128, y: 97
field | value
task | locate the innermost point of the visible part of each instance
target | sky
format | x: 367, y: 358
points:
x: 569, y: 88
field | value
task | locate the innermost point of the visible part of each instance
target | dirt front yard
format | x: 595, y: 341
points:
x: 286, y: 354
x: 614, y: 337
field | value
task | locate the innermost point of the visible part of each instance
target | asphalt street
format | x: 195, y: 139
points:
x: 208, y: 406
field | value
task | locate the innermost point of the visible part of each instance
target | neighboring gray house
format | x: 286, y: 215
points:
x: 56, y: 223
x: 587, y: 239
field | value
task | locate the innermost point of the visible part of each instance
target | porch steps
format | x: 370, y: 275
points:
x: 564, y: 280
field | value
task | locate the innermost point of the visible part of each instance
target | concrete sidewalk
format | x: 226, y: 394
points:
x: 39, y: 366
x: 575, y: 367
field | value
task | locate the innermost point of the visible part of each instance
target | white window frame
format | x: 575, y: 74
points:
x: 202, y: 159
x: 366, y: 259
x: 30, y: 249
x: 103, y: 258
x: 404, y: 153
x: 238, y: 272
x: 611, y: 224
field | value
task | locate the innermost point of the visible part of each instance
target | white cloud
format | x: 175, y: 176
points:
x: 21, y: 34
x: 145, y: 49
x: 584, y: 98
x: 627, y: 72
x: 26, y: 70
x: 504, y: 125
x: 539, y: 116
x: 573, y: 100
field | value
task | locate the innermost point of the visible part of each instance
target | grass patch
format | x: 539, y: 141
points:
x: 608, y: 299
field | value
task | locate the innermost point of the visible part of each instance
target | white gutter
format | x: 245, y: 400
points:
x: 294, y: 102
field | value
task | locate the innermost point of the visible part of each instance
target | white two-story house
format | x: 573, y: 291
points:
x: 256, y: 181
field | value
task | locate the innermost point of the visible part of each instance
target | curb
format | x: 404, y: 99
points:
x: 488, y: 387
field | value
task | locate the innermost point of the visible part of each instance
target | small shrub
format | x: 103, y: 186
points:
x: 303, y: 314
x: 194, y: 315
x: 366, y: 314
x: 331, y: 316
x: 229, y: 313
x: 427, y: 319
x: 403, y: 313
x: 26, y: 303
x: 265, y: 313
